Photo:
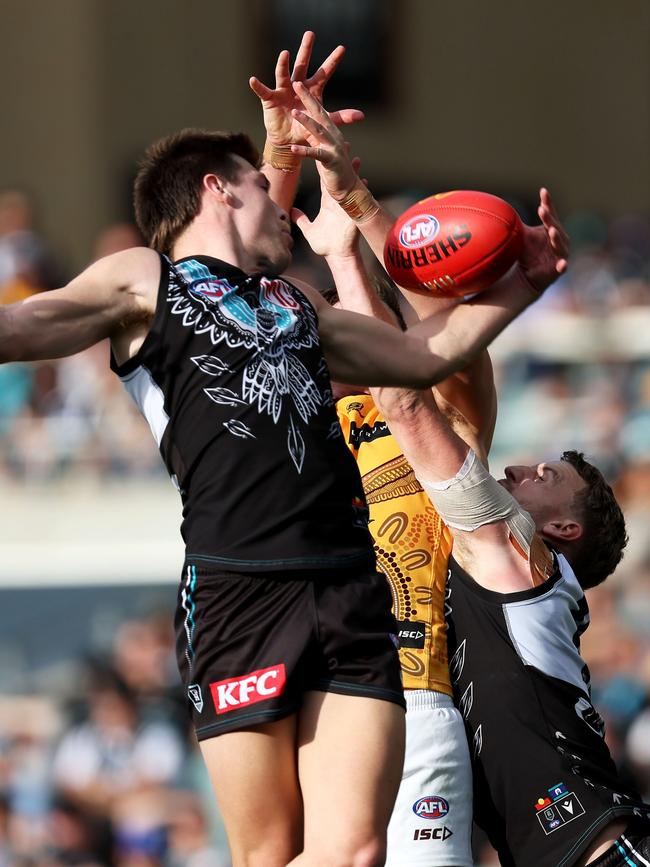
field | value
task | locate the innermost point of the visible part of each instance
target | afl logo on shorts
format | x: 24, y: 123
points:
x: 431, y: 807
x: 418, y: 231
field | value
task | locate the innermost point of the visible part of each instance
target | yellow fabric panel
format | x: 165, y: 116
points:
x: 412, y: 543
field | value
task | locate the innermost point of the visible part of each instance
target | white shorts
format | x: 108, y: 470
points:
x: 431, y: 824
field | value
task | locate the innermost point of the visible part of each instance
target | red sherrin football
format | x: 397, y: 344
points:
x: 453, y: 243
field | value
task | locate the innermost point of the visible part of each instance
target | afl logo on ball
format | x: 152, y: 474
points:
x: 431, y: 807
x: 418, y: 231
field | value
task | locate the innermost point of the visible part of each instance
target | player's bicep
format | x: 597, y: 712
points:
x: 68, y: 320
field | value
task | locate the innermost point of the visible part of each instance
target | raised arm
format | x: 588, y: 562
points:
x: 281, y: 165
x: 468, y: 398
x: 495, y: 540
x: 365, y: 350
x: 107, y: 297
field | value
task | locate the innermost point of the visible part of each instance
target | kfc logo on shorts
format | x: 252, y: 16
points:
x: 431, y: 807
x: 248, y: 689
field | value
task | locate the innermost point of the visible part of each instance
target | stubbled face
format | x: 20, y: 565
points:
x: 263, y: 228
x: 545, y: 490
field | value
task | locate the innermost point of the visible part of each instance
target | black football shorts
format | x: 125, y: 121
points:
x: 249, y: 646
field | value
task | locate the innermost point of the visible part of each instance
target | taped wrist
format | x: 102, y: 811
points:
x: 280, y: 157
x: 359, y: 204
x: 474, y: 498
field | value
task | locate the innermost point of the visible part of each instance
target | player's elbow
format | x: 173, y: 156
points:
x: 426, y: 367
x: 435, y: 369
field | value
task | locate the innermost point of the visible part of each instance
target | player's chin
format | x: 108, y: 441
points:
x: 281, y: 260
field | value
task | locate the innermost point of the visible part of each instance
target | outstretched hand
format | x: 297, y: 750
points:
x: 325, y: 143
x: 282, y: 128
x: 546, y: 248
x: 331, y: 232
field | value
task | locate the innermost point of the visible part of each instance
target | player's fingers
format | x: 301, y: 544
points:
x: 346, y: 115
x: 549, y: 217
x: 300, y: 219
x: 546, y: 201
x: 324, y: 72
x: 303, y: 56
x: 317, y: 129
x: 555, y: 230
x: 260, y: 89
x: 559, y: 242
x: 282, y: 76
x: 315, y: 153
x: 313, y: 106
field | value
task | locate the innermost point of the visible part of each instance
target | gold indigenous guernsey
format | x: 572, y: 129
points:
x: 411, y: 542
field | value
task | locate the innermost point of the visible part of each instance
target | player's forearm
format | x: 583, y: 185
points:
x: 425, y: 436
x: 461, y: 332
x: 375, y: 228
x: 354, y: 288
x: 283, y: 183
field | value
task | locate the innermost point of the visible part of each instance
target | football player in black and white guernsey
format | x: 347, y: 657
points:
x: 546, y: 790
x: 285, y: 636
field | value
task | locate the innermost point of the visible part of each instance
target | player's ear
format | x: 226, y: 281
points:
x: 217, y: 187
x: 562, y: 530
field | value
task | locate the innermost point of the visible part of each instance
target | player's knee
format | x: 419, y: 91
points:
x: 370, y: 852
x: 269, y: 853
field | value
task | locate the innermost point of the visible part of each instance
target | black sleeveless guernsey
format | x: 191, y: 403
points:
x: 232, y: 380
x: 544, y: 782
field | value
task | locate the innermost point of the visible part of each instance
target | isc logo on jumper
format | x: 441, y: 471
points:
x: 431, y: 807
x: 432, y: 833
x: 418, y: 231
x: 411, y: 633
x: 248, y: 689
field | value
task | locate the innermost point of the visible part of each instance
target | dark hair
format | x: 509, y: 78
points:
x: 599, y: 550
x: 167, y: 189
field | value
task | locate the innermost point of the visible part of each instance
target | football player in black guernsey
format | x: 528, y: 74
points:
x: 546, y: 790
x: 284, y: 632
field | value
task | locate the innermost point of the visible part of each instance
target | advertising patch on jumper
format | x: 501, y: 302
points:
x: 411, y: 633
x: 431, y: 807
x: 558, y: 808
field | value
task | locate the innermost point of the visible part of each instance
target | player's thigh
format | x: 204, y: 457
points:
x: 431, y: 824
x: 350, y: 756
x: 255, y: 780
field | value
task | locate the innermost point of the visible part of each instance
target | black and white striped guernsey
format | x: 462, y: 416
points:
x: 232, y: 380
x: 544, y: 782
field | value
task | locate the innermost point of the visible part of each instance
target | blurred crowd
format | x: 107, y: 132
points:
x: 107, y: 773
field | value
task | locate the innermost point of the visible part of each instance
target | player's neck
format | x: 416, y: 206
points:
x: 219, y: 242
